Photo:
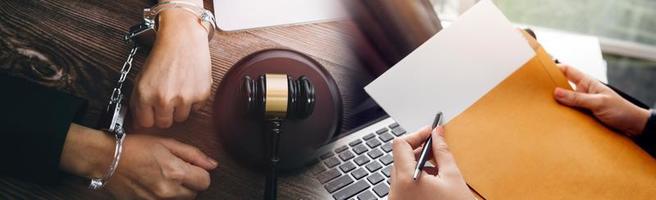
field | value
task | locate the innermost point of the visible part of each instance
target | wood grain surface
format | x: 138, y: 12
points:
x: 75, y: 46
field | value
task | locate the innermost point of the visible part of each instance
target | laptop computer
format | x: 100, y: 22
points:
x: 233, y: 15
x: 359, y: 165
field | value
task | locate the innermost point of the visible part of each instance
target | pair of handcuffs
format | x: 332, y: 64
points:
x: 142, y: 34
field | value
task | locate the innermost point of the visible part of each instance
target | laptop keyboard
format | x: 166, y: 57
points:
x: 361, y: 169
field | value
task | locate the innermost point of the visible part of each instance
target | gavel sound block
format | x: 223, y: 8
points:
x: 243, y: 136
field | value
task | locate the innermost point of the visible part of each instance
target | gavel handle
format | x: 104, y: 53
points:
x: 271, y: 186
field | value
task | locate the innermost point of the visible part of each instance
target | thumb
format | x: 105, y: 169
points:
x: 445, y: 163
x: 577, y: 99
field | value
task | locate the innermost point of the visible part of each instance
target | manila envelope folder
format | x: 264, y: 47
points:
x: 517, y: 142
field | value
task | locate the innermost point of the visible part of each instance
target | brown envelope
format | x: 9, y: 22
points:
x: 517, y: 142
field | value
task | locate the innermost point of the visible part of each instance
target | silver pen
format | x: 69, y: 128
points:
x: 427, y: 147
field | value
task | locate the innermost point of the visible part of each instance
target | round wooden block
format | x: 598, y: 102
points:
x: 244, y: 136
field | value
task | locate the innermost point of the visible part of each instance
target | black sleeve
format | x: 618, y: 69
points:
x: 647, y: 140
x: 33, y: 126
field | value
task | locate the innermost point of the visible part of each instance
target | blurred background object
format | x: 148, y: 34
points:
x: 626, y: 31
x: 391, y: 29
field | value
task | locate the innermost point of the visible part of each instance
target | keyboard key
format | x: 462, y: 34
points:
x: 387, y: 171
x: 387, y: 147
x: 369, y: 136
x: 373, y: 166
x: 398, y: 131
x: 367, y: 195
x: 356, y: 142
x: 328, y: 175
x: 340, y: 149
x: 381, y: 131
x: 360, y: 148
x: 331, y: 162
x: 375, y: 153
x: 394, y: 125
x: 359, y: 173
x: 347, y: 166
x: 338, y: 183
x: 375, y: 178
x: 361, y: 160
x: 386, y: 159
x: 351, y: 190
x: 381, y: 190
x: 386, y: 137
x: 373, y: 143
x: 346, y: 155
x: 326, y: 155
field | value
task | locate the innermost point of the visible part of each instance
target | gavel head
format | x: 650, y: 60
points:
x: 278, y: 96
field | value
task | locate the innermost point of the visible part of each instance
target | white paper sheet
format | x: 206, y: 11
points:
x: 580, y: 51
x: 453, y: 69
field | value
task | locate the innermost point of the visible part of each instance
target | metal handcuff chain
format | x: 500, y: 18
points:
x: 114, y: 115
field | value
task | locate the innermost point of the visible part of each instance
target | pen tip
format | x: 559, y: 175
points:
x: 414, y: 176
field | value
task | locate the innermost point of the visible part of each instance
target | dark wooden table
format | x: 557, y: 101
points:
x: 75, y: 46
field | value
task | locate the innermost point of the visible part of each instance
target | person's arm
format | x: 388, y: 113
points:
x: 40, y: 143
x: 33, y: 126
x: 176, y: 77
x: 441, y: 182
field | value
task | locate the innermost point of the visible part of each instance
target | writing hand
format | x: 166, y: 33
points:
x: 441, y: 182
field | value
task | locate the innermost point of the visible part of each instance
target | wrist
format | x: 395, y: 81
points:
x: 197, y: 2
x: 180, y: 23
x: 87, y: 152
x: 642, y: 116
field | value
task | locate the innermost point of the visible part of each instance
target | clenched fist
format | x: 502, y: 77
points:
x: 177, y: 74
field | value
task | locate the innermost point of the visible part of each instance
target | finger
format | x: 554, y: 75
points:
x: 577, y: 99
x: 392, y: 177
x: 142, y: 113
x: 197, y: 106
x: 571, y: 73
x: 182, y: 112
x: 404, y: 159
x: 199, y: 102
x: 429, y: 155
x: 582, y: 81
x: 197, y: 179
x: 191, y: 195
x: 190, y: 154
x: 164, y: 116
x: 184, y: 193
x: 418, y: 138
x: 445, y: 163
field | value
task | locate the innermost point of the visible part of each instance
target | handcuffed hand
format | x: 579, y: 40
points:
x: 149, y: 168
x: 177, y: 74
x: 158, y: 168
x: 609, y: 107
x: 441, y: 182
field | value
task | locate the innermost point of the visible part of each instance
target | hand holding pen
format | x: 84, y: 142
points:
x: 441, y: 182
x: 423, y: 156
